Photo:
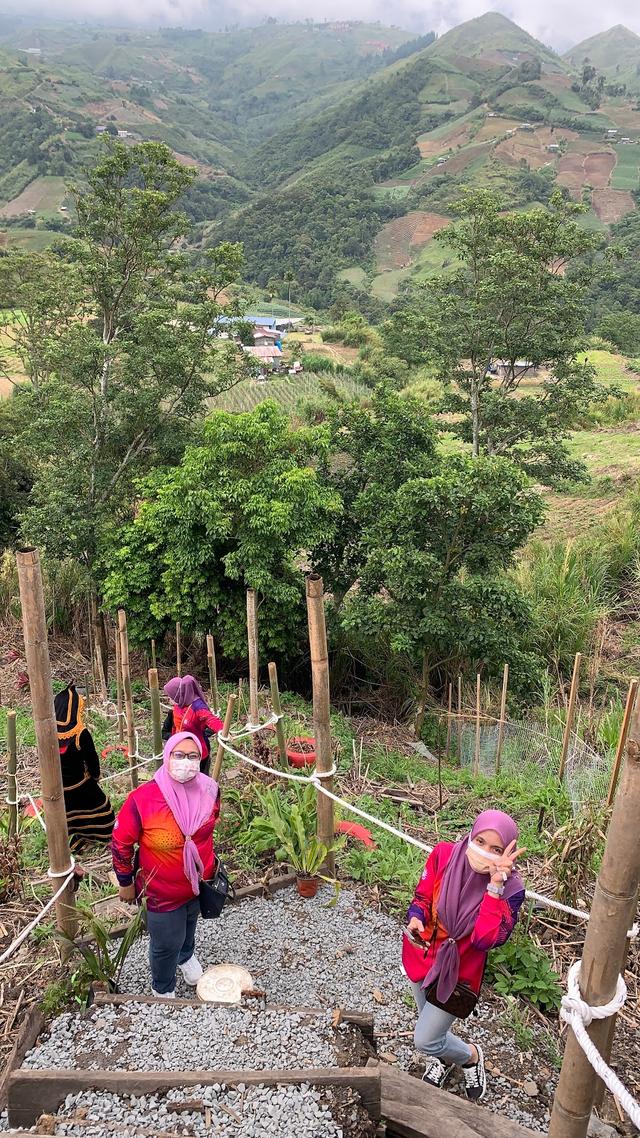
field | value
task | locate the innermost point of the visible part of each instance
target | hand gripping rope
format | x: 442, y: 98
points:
x: 579, y: 1014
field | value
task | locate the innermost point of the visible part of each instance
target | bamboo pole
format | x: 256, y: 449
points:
x: 154, y: 662
x: 44, y: 718
x: 622, y: 740
x: 612, y: 914
x: 12, y: 762
x: 240, y: 697
x: 156, y: 715
x: 119, y: 696
x: 87, y: 691
x: 128, y: 695
x: 476, y: 756
x: 571, y: 709
x: 277, y: 708
x: 217, y: 766
x: 449, y: 721
x: 321, y: 710
x: 459, y: 723
x: 92, y: 651
x: 503, y: 709
x: 252, y: 639
x: 178, y: 650
x: 213, y: 672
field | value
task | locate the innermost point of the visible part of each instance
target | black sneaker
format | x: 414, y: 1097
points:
x: 475, y: 1077
x: 436, y: 1074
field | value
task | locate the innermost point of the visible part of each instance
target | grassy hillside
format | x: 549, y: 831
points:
x: 332, y: 151
x: 615, y: 53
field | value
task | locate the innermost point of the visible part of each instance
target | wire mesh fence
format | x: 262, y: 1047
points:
x: 524, y: 752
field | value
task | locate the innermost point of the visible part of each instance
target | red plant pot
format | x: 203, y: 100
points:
x: 301, y: 751
x: 307, y: 886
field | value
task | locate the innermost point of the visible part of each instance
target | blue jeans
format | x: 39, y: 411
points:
x: 432, y: 1035
x: 172, y: 939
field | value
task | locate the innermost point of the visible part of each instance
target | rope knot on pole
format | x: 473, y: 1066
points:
x: 574, y: 1005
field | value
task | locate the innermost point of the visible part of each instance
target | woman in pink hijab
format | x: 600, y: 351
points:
x: 162, y: 849
x: 466, y: 903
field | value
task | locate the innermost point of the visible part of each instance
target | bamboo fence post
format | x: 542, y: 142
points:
x: 449, y: 723
x: 622, y: 740
x: 476, y: 756
x: 92, y: 651
x: 459, y: 724
x: 503, y: 708
x: 12, y: 762
x: 252, y: 639
x: 119, y: 698
x: 612, y: 914
x: 240, y: 697
x: 217, y: 766
x: 44, y: 718
x: 571, y: 709
x: 178, y: 650
x: 154, y: 662
x: 213, y: 672
x: 128, y: 696
x: 156, y: 716
x: 277, y: 708
x: 87, y: 690
x: 321, y: 710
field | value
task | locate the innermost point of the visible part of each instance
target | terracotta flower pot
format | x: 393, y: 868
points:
x: 301, y: 751
x: 307, y: 886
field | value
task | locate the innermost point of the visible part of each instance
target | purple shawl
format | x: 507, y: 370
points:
x: 191, y: 804
x: 184, y: 690
x: 460, y: 897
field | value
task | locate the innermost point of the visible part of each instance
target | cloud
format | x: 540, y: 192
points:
x: 558, y: 23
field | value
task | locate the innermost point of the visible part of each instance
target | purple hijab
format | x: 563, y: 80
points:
x: 184, y: 690
x: 191, y: 804
x: 460, y: 896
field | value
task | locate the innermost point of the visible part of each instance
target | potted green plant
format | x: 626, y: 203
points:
x: 289, y: 828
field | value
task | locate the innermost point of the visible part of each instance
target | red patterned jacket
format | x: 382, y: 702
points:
x: 495, y: 922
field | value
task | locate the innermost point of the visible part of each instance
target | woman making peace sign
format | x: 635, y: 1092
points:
x: 466, y: 903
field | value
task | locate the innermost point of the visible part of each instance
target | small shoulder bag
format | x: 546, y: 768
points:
x: 215, y: 893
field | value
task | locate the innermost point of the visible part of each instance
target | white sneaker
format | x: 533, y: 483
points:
x: 191, y: 971
x: 164, y: 995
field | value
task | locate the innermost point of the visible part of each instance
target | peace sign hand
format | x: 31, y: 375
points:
x: 504, y: 868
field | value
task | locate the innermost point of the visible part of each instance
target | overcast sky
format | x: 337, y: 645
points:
x: 559, y: 23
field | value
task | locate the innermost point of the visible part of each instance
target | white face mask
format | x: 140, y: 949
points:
x: 480, y: 859
x: 183, y: 770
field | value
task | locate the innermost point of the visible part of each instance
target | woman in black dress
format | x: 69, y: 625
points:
x: 90, y: 817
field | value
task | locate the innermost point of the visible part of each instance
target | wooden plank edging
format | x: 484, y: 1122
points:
x: 29, y: 1031
x: 413, y: 1109
x: 32, y: 1093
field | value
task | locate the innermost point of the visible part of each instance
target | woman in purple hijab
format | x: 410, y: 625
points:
x: 466, y: 903
x: 190, y: 712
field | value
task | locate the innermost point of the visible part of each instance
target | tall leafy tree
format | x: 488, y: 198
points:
x: 434, y: 585
x: 502, y: 331
x: 372, y: 451
x: 127, y: 359
x: 240, y: 510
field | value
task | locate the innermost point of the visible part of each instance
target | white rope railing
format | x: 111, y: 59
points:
x: 43, y: 912
x: 579, y: 1014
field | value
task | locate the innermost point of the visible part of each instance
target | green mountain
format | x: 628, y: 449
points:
x: 615, y: 53
x: 334, y: 152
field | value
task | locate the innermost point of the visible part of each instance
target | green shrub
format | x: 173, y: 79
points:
x: 521, y: 968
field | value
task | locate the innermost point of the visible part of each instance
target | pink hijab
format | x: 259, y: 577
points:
x: 460, y: 897
x: 191, y: 804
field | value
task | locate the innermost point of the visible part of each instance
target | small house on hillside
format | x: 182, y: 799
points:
x: 267, y: 355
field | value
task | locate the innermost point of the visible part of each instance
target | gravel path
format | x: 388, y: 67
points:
x: 243, y: 1112
x: 159, y: 1037
x: 314, y: 953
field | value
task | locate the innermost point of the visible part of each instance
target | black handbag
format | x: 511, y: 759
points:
x: 215, y: 893
x: 460, y: 1004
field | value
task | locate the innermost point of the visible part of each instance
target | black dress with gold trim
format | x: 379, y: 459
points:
x: 90, y: 816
